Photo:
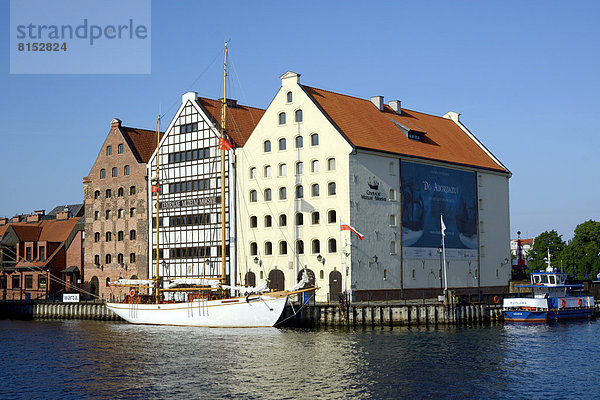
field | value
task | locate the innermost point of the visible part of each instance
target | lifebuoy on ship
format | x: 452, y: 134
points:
x: 563, y: 303
x: 579, y: 301
x: 496, y: 299
x: 132, y: 292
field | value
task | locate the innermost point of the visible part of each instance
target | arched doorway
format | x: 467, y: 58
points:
x: 250, y: 279
x: 304, y: 297
x: 94, y: 286
x: 276, y: 279
x: 335, y: 285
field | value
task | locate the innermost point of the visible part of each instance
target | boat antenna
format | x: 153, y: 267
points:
x: 157, y: 185
x: 222, y: 138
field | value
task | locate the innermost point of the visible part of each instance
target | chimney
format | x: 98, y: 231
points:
x: 191, y: 96
x: 16, y: 219
x: 3, y: 221
x: 115, y: 123
x: 62, y: 215
x: 33, y: 218
x: 378, y: 102
x: 231, y: 103
x: 40, y: 212
x: 395, y: 105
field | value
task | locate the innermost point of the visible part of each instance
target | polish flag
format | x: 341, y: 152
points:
x: 345, y: 227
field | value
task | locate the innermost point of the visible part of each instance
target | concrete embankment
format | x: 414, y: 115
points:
x: 49, y: 310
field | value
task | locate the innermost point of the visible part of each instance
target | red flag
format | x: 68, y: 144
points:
x: 346, y: 227
x: 155, y: 189
x: 224, y: 144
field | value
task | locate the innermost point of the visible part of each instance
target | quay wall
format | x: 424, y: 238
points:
x: 50, y: 310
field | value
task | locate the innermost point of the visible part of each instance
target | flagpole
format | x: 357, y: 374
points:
x: 342, y: 259
x: 444, y: 253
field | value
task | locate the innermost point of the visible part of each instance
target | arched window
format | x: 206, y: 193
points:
x: 385, y: 274
x: 282, y: 193
x: 392, y: 195
x: 314, y: 139
x: 253, y: 249
x: 132, y: 190
x: 298, y: 116
x: 299, y: 192
x: 120, y: 213
x: 97, y: 194
x: 314, y: 190
x: 392, y: 220
x: 316, y: 246
x: 132, y: 234
x: 316, y: 217
x: 253, y: 173
x: 115, y: 172
x: 126, y: 170
x: 120, y: 148
x: 268, y: 248
x: 107, y: 281
x: 332, y: 245
x: 268, y: 195
x: 282, y: 118
x: 108, y: 259
x: 267, y: 146
x: 282, y: 169
x: 314, y: 166
x: 108, y: 150
x: 283, y: 220
x: 283, y: 247
x: 393, y: 248
x: 120, y: 236
x: 299, y: 247
x: 268, y: 221
x: 282, y: 144
x: 120, y: 192
x: 97, y: 259
x: 331, y: 164
x: 289, y: 97
x: 96, y: 215
x: 132, y: 257
x: 299, y: 219
x: 108, y: 236
x: 331, y: 189
x: 253, y: 196
x: 96, y: 236
x: 102, y: 173
x: 331, y: 217
x: 267, y: 171
x: 253, y: 221
x: 108, y: 193
x: 120, y: 258
x: 299, y: 142
x: 107, y: 214
x: 299, y: 168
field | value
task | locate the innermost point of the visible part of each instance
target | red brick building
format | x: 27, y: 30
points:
x: 41, y: 256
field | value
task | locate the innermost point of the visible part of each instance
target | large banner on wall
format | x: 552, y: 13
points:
x: 427, y: 193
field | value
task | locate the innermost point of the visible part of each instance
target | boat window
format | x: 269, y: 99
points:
x: 544, y: 278
x: 552, y: 279
x: 536, y: 279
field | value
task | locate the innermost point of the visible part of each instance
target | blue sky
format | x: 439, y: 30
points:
x: 524, y: 75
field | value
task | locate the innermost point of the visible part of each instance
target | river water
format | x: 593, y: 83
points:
x: 100, y: 360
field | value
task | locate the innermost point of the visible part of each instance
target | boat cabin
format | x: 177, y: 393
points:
x: 548, y: 278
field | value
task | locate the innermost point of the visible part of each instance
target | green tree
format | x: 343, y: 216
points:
x: 584, y: 251
x: 548, y: 240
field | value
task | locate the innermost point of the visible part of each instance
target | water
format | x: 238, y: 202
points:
x: 100, y: 360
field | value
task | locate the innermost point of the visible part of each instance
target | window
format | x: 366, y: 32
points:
x: 126, y: 170
x: 109, y: 150
x: 299, y: 142
x: 97, y: 194
x: 42, y: 253
x: 108, y: 193
x: 332, y: 245
x: 314, y: 166
x: 393, y: 248
x: 108, y: 236
x: 316, y: 217
x: 107, y: 214
x: 267, y: 172
x: 392, y: 195
x: 282, y: 118
x: 283, y: 247
x: 253, y: 173
x: 299, y: 192
x: 120, y: 192
x: 314, y: 190
x: 115, y: 172
x: 268, y: 221
x: 282, y: 144
x: 16, y: 282
x: 414, y: 274
x: 322, y: 274
x: 120, y: 148
x: 298, y: 116
x: 29, y: 254
x: 253, y: 249
x: 132, y: 234
x: 132, y: 257
x: 132, y: 190
x: 299, y: 219
x: 289, y: 97
x: 392, y: 220
x: 253, y: 221
x: 120, y: 236
x: 108, y: 259
x: 268, y: 248
x: 299, y: 247
x: 253, y: 196
x: 282, y: 193
x: 316, y: 246
x: 132, y: 212
x: 331, y: 217
x: 102, y: 173
x: 120, y: 213
x: 299, y: 168
x: 97, y: 259
x: 385, y: 274
x: 96, y: 236
x: 4, y: 282
x: 282, y: 170
x: 267, y: 146
x: 96, y: 215
x: 331, y: 188
x: 314, y: 139
x: 282, y: 220
x: 268, y: 196
x: 107, y: 282
x: 120, y: 258
x: 331, y: 164
x: 392, y: 169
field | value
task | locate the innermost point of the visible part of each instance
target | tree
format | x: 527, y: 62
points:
x: 542, y: 243
x: 584, y: 251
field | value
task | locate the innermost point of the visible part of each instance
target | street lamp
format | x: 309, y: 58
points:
x: 321, y: 259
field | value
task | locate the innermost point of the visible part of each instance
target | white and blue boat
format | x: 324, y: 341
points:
x: 552, y: 299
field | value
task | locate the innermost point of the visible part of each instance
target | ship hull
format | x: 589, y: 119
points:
x: 242, y: 312
x: 548, y: 315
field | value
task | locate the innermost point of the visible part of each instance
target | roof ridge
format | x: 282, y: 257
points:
x: 238, y: 105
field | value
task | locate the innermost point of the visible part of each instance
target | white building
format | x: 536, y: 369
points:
x: 318, y: 157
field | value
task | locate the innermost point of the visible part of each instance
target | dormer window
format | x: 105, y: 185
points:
x: 415, y: 136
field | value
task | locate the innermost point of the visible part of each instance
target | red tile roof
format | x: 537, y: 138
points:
x: 27, y: 233
x: 141, y: 141
x: 241, y: 120
x: 367, y: 127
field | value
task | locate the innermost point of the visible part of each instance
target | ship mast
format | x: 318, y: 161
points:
x: 157, y: 283
x: 223, y: 128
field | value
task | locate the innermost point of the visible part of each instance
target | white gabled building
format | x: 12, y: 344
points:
x: 318, y: 157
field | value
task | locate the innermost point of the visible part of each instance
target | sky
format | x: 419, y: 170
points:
x: 525, y: 77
